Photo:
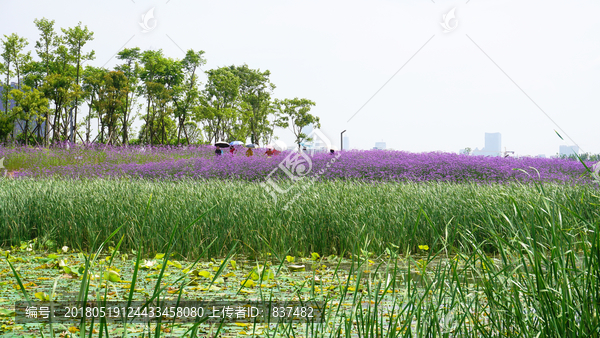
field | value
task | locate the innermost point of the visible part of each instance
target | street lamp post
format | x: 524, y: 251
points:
x: 342, y: 140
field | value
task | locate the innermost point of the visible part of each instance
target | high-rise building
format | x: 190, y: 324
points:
x: 346, y: 143
x: 380, y: 145
x: 493, y: 145
x: 568, y: 150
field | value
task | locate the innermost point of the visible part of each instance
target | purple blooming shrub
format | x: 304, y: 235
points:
x: 200, y: 162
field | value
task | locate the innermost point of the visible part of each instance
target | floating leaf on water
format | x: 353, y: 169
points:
x: 296, y: 268
x: 290, y: 259
x: 175, y: 264
x: 233, y: 264
x: 159, y: 256
x: 314, y: 256
x: 204, y: 273
x: 112, y: 276
x: 248, y: 283
x: 42, y: 296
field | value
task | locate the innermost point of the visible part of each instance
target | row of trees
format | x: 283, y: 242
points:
x: 68, y: 101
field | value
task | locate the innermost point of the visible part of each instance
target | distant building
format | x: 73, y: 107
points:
x: 541, y: 156
x: 346, y: 143
x: 380, y: 145
x: 568, y: 150
x: 493, y: 145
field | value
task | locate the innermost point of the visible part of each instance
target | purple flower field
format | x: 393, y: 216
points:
x: 200, y: 162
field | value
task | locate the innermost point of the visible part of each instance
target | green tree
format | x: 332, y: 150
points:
x: 61, y: 90
x: 12, y: 53
x: 132, y: 70
x: 48, y: 42
x: 219, y: 108
x: 13, y: 60
x: 92, y: 80
x: 76, y: 38
x: 187, y: 94
x: 30, y: 104
x: 255, y: 92
x: 294, y: 113
x: 60, y: 85
x: 111, y: 97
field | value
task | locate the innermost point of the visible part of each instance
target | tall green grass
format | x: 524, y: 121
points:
x: 542, y: 281
x: 326, y: 218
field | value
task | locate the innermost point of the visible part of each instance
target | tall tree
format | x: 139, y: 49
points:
x: 255, y: 91
x: 45, y: 47
x: 12, y: 55
x: 92, y: 81
x: 161, y: 76
x: 220, y: 101
x: 76, y: 38
x: 111, y: 98
x: 294, y: 113
x: 48, y: 42
x: 186, y: 95
x: 131, y: 69
x: 151, y: 61
x: 61, y: 89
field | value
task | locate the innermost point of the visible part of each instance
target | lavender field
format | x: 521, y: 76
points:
x: 200, y: 162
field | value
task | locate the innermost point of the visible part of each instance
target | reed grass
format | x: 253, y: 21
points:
x: 326, y: 218
x: 542, y: 281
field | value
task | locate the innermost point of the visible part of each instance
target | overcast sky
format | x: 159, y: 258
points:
x: 519, y: 68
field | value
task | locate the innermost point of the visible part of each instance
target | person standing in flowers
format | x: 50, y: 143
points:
x: 249, y: 152
x: 269, y: 152
x: 218, y: 151
x: 232, y: 150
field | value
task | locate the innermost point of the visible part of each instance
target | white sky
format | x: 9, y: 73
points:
x: 339, y: 53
